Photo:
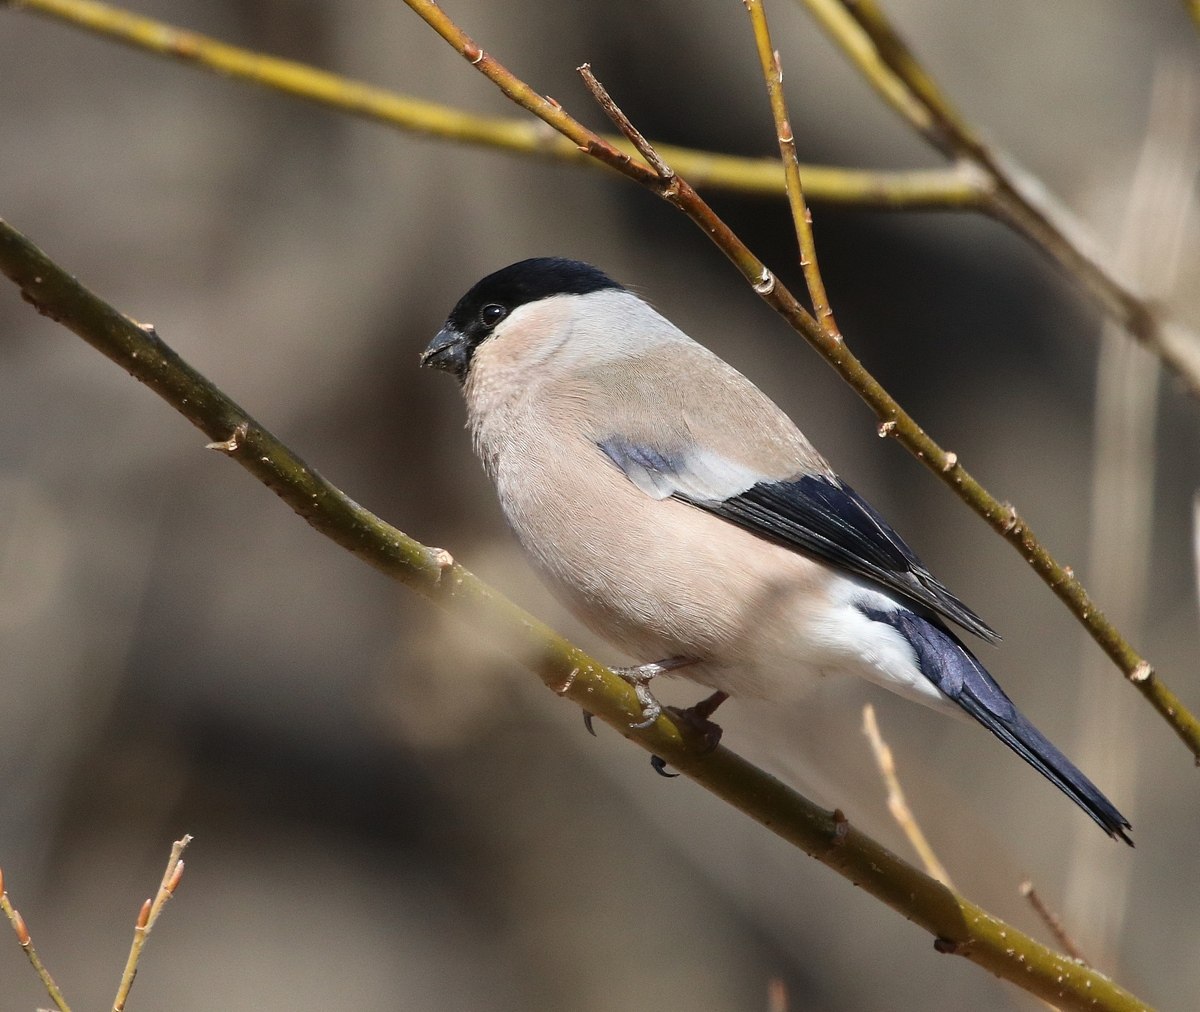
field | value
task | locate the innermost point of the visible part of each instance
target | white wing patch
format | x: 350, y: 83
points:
x: 691, y: 472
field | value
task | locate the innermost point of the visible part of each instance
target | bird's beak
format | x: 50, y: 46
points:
x: 447, y: 351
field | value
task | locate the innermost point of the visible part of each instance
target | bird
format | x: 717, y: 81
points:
x: 680, y: 514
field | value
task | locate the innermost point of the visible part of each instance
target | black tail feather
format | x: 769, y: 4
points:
x: 1031, y: 745
x: 954, y: 670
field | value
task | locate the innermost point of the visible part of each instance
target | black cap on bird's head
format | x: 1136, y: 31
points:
x: 478, y: 312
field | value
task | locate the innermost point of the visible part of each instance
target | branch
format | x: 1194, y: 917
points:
x: 146, y: 918
x: 894, y: 420
x: 1053, y: 922
x: 897, y: 802
x: 1009, y: 195
x: 958, y: 926
x: 26, y: 943
x: 772, y: 69
x: 862, y: 31
x: 936, y: 188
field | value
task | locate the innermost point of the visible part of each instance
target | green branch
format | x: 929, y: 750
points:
x: 958, y: 926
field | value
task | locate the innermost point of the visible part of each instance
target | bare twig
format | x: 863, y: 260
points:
x: 777, y: 996
x: 863, y: 32
x: 894, y: 420
x: 26, y: 943
x: 925, y: 188
x: 146, y: 918
x: 896, y: 801
x: 958, y: 925
x: 1003, y: 191
x: 1053, y: 922
x: 772, y: 69
x: 622, y: 123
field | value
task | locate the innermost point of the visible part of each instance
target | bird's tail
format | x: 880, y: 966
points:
x: 1012, y: 728
x: 946, y: 662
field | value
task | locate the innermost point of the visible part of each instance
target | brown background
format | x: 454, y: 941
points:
x: 387, y: 813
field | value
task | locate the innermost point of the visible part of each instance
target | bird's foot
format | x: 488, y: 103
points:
x: 640, y: 678
x: 697, y: 718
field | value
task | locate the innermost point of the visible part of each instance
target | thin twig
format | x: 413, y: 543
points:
x: 958, y: 926
x: 777, y: 995
x: 623, y: 123
x: 894, y: 420
x: 918, y: 189
x: 1020, y: 204
x: 896, y: 801
x: 26, y: 943
x: 1053, y: 922
x: 863, y: 32
x: 146, y: 918
x: 772, y: 69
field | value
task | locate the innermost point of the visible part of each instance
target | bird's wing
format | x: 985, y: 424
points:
x: 812, y: 513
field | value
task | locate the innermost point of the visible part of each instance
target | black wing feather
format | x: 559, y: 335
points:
x: 828, y: 519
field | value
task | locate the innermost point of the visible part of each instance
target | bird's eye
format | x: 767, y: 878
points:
x: 491, y: 314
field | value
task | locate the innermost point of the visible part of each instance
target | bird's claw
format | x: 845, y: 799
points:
x: 640, y: 678
x: 660, y: 767
x: 651, y: 708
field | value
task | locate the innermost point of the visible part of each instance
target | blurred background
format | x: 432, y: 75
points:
x: 389, y: 813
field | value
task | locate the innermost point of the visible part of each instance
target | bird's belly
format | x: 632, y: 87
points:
x: 662, y: 579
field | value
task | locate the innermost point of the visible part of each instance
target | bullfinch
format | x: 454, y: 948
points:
x: 680, y: 514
